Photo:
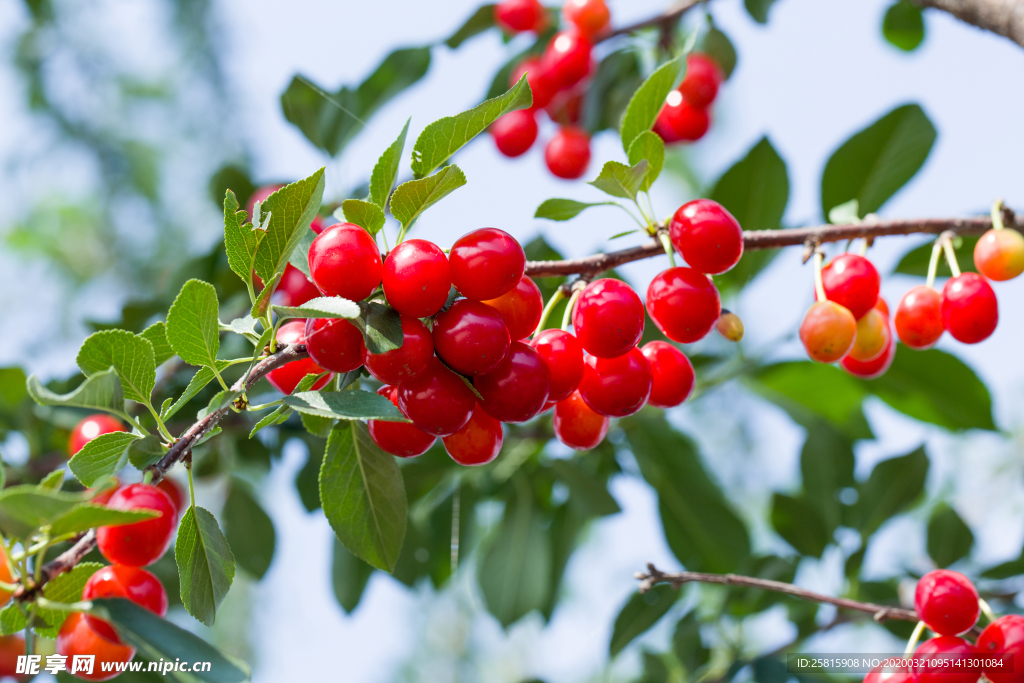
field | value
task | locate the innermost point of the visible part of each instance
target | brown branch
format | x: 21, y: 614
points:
x: 772, y: 239
x: 663, y: 20
x: 1002, y: 17
x: 880, y: 613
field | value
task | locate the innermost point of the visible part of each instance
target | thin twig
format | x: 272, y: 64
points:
x: 664, y: 19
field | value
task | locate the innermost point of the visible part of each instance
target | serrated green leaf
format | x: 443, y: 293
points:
x: 240, y: 240
x: 262, y: 303
x: 381, y: 326
x: 344, y: 405
x: 193, y: 328
x: 25, y: 508
x: 564, y: 209
x: 412, y: 198
x: 206, y: 566
x: 648, y: 145
x: 300, y: 255
x: 246, y: 325
x: 363, y: 495
x: 442, y: 138
x: 65, y: 588
x: 292, y: 209
x: 366, y: 215
x: 640, y: 613
x: 382, y: 179
x: 648, y: 99
x: 145, y: 452
x: 277, y: 416
x: 481, y: 20
x: 903, y: 25
x: 321, y: 307
x: 157, y: 336
x: 130, y: 355
x: 12, y: 619
x: 101, y: 391
x: 317, y: 425
x: 54, y: 480
x: 89, y: 516
x: 198, y: 382
x: 620, y: 180
x: 248, y: 530
x: 101, y: 457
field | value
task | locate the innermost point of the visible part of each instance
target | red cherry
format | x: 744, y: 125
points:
x: 514, y: 132
x: 589, y: 16
x: 11, y: 647
x: 947, y: 601
x: 478, y: 442
x: 76, y: 637
x: 471, y: 337
x: 566, y: 107
x: 486, y: 263
x: 890, y: 675
x: 345, y: 261
x: 568, y: 153
x: 539, y: 79
x: 946, y: 659
x: 91, y: 427
x: 288, y: 376
x: 970, y: 311
x: 577, y: 425
x: 608, y: 318
x: 616, y: 387
x: 317, y: 225
x: 852, y: 282
x: 399, y: 438
x: 1005, y: 635
x: 517, y: 389
x: 671, y: 374
x: 516, y: 16
x: 828, y: 331
x: 679, y: 120
x: 260, y: 195
x: 103, y: 497
x: 141, y: 543
x: 563, y: 354
x: 119, y: 581
x: 405, y: 362
x: 567, y: 58
x: 700, y: 85
x: 999, y: 254
x: 417, y: 278
x: 684, y: 304
x: 295, y: 288
x: 334, y: 344
x: 919, y: 318
x: 173, y: 491
x: 883, y: 307
x: 437, y: 401
x: 520, y: 308
x: 707, y: 236
x: 5, y: 576
x: 871, y: 369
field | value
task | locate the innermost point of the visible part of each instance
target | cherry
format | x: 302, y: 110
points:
x: 437, y: 400
x: 517, y: 389
x: 999, y: 254
x: 77, y: 637
x: 119, y: 581
x: 288, y: 376
x: 882, y: 306
x: 828, y: 331
x: 946, y: 659
x: 399, y: 438
x: 541, y: 84
x: 589, y: 16
x: 260, y: 195
x: 671, y: 374
x: 515, y: 132
x: 730, y: 326
x: 919, y: 318
x: 471, y: 337
x: 608, y: 318
x: 707, y: 236
x: 5, y: 576
x: 345, y: 261
x: 103, y: 497
x: 486, y: 263
x: 566, y: 107
x: 334, y: 344
x: 872, y: 369
x: 684, y: 304
x: 852, y: 282
x: 970, y: 311
x: 173, y: 491
x: 947, y: 601
x: 317, y: 225
x: 577, y: 425
x: 91, y: 427
x: 295, y: 288
x: 890, y: 675
x: 405, y: 362
x: 568, y: 153
x: 520, y: 308
x: 478, y: 442
x: 616, y: 387
x: 11, y: 647
x: 417, y: 278
x: 679, y: 120
x: 516, y: 16
x: 567, y: 58
x: 700, y: 85
x: 1005, y: 635
x: 563, y: 354
x: 872, y: 337
x: 141, y: 543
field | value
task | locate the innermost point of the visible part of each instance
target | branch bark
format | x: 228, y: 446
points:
x: 1002, y: 17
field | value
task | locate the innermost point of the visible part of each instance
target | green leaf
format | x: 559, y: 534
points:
x: 382, y: 179
x: 198, y: 382
x: 1005, y: 570
x: 564, y: 209
x: 416, y: 196
x: 585, y: 490
x: 12, y: 619
x: 366, y: 215
x: 240, y: 239
x: 145, y: 452
x: 717, y: 45
x: 349, y: 576
x: 650, y: 147
x: 915, y: 261
x: 321, y: 307
x: 641, y: 612
x: 157, y: 336
x: 363, y: 496
x: 620, y: 180
x: 816, y: 390
x: 444, y: 137
x: 381, y: 326
x: 248, y: 530
x: 25, y: 508
x: 845, y: 213
x: 876, y: 162
x: 292, y: 209
x: 893, y: 485
x: 648, y: 99
x: 101, y: 457
x: 158, y: 639
x: 54, y: 480
x: 101, y: 391
x: 12, y: 386
x: 949, y: 538
x: 344, y: 405
x: 89, y: 516
x: 246, y: 326
x: 687, y: 644
x: 758, y: 9
x: 193, y: 328
x: 65, y: 588
x: 610, y: 90
x: 826, y: 463
x: 799, y: 524
x: 130, y: 355
x: 206, y: 566
x: 262, y: 303
x: 481, y: 20
x: 903, y: 25
x: 221, y: 400
x: 274, y: 417
x: 300, y: 255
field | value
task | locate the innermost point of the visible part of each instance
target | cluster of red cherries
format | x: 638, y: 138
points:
x: 948, y: 604
x: 850, y: 324
x: 559, y: 79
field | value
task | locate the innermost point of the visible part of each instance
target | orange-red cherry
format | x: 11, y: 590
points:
x: 999, y: 254
x: 520, y: 308
x: 478, y: 442
x: 828, y: 331
x: 577, y: 425
x: 77, y: 637
x: 918, y: 318
x: 590, y: 17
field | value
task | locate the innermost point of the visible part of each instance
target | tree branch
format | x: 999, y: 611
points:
x: 663, y: 20
x: 654, y: 576
x: 1002, y: 17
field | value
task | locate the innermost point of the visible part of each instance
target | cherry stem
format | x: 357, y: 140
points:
x: 933, y: 263
x: 819, y: 285
x: 997, y: 214
x: 555, y: 299
x: 986, y: 610
x: 947, y: 246
x: 914, y: 637
x: 669, y: 250
x: 567, y: 316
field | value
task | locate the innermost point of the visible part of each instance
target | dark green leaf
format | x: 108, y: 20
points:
x: 145, y: 452
x: 88, y: 516
x: 25, y: 508
x: 758, y: 9
x: 12, y: 619
x: 620, y: 180
x: 815, y: 389
x: 248, y: 530
x: 609, y: 92
x: 349, y: 576
x: 585, y: 490
x: 344, y: 405
x: 292, y: 209
x: 641, y: 612
x: 717, y: 45
x: 12, y: 386
x: 648, y: 99
x: 193, y: 328
x: 386, y: 170
x: 949, y: 538
x: 65, y: 588
x: 157, y: 336
x: 101, y: 457
x: 198, y: 382
x: 564, y: 209
x: 826, y: 463
x: 321, y: 307
x: 1005, y: 570
x: 412, y: 198
x: 366, y: 215
x: 656, y: 669
x: 231, y: 177
x: 262, y: 303
x: 206, y: 566
x: 903, y: 25
x: 381, y: 326
x: 481, y: 20
x: 131, y: 356
x: 649, y: 146
x: 274, y: 417
x: 240, y: 239
x: 101, y: 391
x: 893, y: 486
x: 799, y: 524
x: 687, y: 644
